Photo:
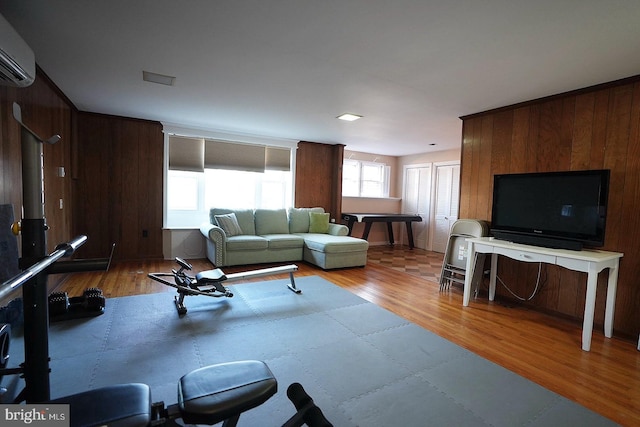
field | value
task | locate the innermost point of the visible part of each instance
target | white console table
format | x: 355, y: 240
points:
x: 589, y: 261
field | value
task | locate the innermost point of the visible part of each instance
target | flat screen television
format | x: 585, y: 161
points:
x: 566, y: 210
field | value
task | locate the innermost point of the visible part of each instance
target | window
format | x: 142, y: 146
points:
x: 198, y: 179
x: 365, y: 179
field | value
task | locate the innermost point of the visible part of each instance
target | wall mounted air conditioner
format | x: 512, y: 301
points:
x: 17, y: 62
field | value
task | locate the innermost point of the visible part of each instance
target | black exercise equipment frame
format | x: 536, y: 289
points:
x: 36, y: 265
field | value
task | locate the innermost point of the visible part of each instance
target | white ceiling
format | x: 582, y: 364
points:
x: 287, y: 68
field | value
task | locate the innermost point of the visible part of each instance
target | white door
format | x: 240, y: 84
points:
x: 417, y: 201
x: 447, y: 192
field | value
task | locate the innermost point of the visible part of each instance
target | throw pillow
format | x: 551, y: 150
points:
x: 318, y: 222
x: 299, y: 219
x: 229, y: 223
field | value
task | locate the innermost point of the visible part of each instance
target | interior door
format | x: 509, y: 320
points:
x: 447, y: 196
x: 417, y: 201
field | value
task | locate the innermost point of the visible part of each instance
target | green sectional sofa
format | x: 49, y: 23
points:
x: 242, y: 237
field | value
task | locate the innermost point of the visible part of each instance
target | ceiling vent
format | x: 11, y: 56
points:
x: 17, y: 62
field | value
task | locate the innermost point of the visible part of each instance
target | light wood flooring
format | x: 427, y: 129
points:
x: 542, y: 348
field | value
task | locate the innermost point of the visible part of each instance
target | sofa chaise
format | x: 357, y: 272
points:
x: 242, y: 237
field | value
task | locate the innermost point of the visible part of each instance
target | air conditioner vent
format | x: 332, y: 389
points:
x: 17, y: 62
x: 11, y: 73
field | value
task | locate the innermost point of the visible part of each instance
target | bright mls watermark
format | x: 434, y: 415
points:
x: 34, y: 415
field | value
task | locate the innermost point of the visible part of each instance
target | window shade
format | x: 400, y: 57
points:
x: 186, y: 154
x: 228, y: 155
x: 278, y: 159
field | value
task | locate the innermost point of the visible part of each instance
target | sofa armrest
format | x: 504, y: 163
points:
x: 338, y: 229
x: 215, y: 239
x: 213, y: 232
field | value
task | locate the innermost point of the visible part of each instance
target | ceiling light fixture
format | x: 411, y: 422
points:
x: 148, y: 76
x: 349, y: 117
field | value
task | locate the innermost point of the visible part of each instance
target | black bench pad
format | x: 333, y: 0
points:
x: 207, y: 276
x: 215, y: 393
x: 126, y: 405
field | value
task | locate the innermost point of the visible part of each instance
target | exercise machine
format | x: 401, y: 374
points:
x: 210, y: 282
x: 209, y: 395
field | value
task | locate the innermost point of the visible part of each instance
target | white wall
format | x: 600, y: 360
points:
x: 186, y: 243
x: 393, y: 204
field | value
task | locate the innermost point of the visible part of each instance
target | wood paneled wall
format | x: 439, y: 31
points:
x: 319, y: 177
x: 594, y: 128
x: 46, y: 112
x: 119, y: 186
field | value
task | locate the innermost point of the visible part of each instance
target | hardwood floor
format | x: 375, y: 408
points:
x: 542, y: 348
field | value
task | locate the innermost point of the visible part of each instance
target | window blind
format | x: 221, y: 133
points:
x: 196, y: 154
x: 186, y: 154
x: 278, y: 159
x: 229, y: 155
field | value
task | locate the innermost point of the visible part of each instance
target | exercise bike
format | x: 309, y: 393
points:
x: 210, y: 282
x: 209, y: 395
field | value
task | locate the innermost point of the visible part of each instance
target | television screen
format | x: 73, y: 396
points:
x: 555, y: 209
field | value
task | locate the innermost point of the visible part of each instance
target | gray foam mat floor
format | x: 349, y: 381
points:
x: 363, y: 365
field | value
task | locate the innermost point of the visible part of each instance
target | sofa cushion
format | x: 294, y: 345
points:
x: 229, y: 223
x: 246, y: 242
x: 271, y: 221
x: 299, y: 219
x: 318, y: 222
x: 244, y: 217
x: 328, y: 243
x: 284, y: 241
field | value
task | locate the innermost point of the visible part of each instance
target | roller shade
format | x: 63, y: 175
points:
x: 228, y: 155
x: 278, y: 159
x: 186, y: 154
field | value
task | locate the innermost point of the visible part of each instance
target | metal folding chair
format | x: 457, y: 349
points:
x: 454, y: 264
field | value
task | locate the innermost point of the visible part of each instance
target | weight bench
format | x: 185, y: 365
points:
x: 207, y: 395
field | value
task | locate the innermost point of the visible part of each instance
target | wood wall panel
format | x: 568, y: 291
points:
x: 120, y: 186
x: 466, y: 166
x: 583, y: 131
x: 520, y: 146
x: 319, y: 177
x: 593, y: 128
x: 47, y: 112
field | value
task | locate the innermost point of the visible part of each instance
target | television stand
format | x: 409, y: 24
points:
x: 589, y: 261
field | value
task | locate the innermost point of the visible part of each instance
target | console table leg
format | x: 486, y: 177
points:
x: 468, y: 275
x: 589, y: 308
x: 611, y: 300
x: 492, y: 277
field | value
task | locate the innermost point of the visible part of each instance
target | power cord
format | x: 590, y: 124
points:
x: 535, y: 290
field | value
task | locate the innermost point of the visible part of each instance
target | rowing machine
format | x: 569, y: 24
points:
x: 209, y: 283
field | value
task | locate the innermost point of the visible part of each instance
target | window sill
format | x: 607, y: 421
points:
x: 372, y: 198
